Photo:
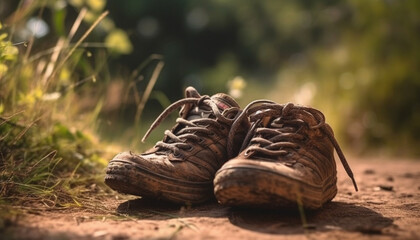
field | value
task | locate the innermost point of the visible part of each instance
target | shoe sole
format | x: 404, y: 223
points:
x: 250, y: 186
x: 130, y: 178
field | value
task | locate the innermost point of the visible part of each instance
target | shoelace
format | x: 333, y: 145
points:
x: 262, y: 110
x: 176, y: 141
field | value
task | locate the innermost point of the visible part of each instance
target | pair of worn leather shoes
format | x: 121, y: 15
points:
x: 266, y: 155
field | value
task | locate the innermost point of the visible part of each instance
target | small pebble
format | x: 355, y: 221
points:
x: 386, y: 187
x: 100, y: 233
x: 409, y: 175
x: 369, y: 171
x: 390, y: 179
x: 332, y: 227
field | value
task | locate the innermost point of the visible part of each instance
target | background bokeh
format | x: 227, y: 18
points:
x: 357, y: 61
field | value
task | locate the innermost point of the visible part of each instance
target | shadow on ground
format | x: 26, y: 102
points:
x: 333, y: 216
x: 157, y: 209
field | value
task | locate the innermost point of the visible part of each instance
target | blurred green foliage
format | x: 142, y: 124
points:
x: 8, y: 54
x: 358, y: 61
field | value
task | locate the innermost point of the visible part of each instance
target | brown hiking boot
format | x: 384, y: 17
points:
x: 181, y: 167
x: 287, y: 159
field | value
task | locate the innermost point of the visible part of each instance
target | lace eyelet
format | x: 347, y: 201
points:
x: 247, y: 153
x: 189, y: 149
x: 177, y: 154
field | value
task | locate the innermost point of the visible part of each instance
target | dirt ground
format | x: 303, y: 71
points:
x: 387, y: 206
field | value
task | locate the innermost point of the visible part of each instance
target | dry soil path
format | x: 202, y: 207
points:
x: 387, y: 206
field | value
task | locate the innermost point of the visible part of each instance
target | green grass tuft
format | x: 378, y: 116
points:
x: 49, y: 158
x: 53, y: 166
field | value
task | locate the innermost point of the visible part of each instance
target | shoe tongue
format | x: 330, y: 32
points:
x: 223, y: 101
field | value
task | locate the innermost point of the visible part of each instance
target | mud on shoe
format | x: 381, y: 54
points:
x: 181, y: 167
x: 287, y: 160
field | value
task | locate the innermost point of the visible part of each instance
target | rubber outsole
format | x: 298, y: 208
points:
x: 130, y: 178
x: 255, y: 187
